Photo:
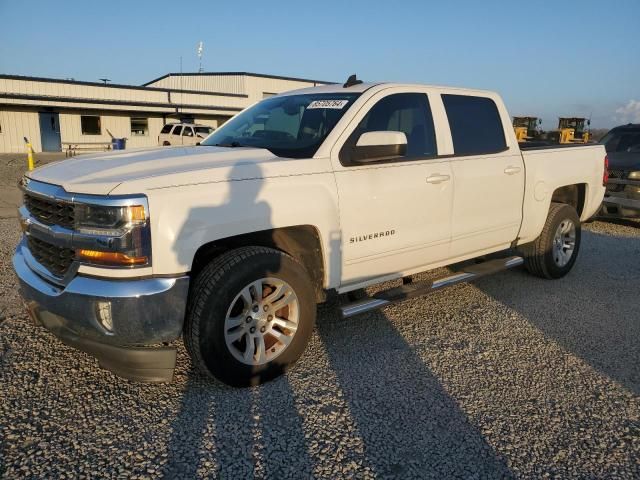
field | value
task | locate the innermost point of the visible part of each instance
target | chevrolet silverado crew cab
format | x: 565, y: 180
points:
x: 231, y: 244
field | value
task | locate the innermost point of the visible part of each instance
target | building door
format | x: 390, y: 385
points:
x: 50, y: 132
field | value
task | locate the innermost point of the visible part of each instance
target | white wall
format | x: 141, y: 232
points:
x: 18, y: 124
x: 118, y: 124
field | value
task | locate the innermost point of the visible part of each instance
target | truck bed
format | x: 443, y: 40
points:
x: 547, y: 146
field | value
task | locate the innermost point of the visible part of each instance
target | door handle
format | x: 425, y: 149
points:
x: 510, y: 170
x: 438, y: 178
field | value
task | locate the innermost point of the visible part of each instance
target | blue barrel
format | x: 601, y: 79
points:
x: 118, y: 143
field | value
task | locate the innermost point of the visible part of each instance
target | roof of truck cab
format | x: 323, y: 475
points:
x: 362, y: 87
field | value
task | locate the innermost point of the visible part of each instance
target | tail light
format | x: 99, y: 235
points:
x: 605, y: 174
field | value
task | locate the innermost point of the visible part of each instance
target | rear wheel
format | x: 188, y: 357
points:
x: 554, y: 252
x: 250, y: 315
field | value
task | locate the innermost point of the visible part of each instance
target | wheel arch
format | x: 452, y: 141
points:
x: 574, y: 195
x: 302, y: 242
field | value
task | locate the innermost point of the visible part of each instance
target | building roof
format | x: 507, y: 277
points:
x: 236, y: 74
x: 115, y: 85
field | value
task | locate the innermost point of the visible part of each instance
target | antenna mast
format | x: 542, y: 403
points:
x: 200, y: 52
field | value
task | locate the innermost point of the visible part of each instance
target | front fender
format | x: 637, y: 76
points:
x: 185, y: 218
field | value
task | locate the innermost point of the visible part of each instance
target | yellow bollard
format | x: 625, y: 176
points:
x: 29, y: 154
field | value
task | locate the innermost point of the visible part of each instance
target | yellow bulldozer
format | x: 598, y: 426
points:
x: 526, y: 128
x: 572, y: 130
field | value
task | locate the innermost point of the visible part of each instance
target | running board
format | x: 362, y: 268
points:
x: 413, y: 290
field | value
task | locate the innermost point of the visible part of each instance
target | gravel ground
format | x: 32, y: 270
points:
x: 12, y: 166
x: 512, y: 376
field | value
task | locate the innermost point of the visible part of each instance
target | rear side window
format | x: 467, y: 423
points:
x: 177, y: 130
x: 475, y: 125
x: 622, y: 141
x: 403, y: 112
x: 166, y: 128
x: 187, y: 132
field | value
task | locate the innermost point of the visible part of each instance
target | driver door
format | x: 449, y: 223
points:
x: 395, y: 214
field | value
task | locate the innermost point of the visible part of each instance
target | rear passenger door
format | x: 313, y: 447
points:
x: 488, y: 175
x: 395, y: 214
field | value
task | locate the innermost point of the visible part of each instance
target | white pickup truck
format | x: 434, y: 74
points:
x: 231, y: 244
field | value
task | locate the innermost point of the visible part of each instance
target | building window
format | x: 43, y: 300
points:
x: 90, y: 125
x: 139, y: 126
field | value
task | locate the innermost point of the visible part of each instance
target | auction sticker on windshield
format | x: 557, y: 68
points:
x: 338, y: 104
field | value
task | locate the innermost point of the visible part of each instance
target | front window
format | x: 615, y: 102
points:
x: 203, y: 131
x: 292, y: 126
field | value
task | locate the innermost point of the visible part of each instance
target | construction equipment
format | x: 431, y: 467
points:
x: 526, y: 128
x: 572, y: 130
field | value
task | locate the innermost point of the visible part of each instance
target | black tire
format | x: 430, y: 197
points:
x: 539, y: 255
x: 166, y: 144
x: 213, y: 292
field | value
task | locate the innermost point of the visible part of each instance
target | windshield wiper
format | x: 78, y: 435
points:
x: 228, y: 145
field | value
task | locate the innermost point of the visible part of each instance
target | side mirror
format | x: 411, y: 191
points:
x: 378, y: 146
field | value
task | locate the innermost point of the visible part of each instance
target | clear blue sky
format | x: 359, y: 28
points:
x: 546, y: 58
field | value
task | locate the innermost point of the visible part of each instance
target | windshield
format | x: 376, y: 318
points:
x: 204, y: 131
x: 622, y: 141
x: 292, y: 126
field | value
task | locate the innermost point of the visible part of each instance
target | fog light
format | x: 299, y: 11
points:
x: 103, y: 310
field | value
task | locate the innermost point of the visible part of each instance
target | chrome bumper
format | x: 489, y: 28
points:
x: 117, y: 321
x: 620, y: 206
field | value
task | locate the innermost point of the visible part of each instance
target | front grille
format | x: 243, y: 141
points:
x: 55, y: 259
x: 614, y: 187
x: 615, y: 173
x: 50, y: 212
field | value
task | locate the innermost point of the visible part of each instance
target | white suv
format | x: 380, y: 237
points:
x: 183, y: 134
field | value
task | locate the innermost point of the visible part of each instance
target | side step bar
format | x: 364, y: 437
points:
x: 413, y: 290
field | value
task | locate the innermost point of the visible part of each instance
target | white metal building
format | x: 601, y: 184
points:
x: 54, y: 113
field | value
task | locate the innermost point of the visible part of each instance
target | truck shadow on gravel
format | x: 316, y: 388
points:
x: 409, y: 425
x: 592, y: 312
x: 224, y: 432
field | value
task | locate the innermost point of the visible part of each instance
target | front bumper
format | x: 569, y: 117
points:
x: 619, y: 206
x: 120, y: 322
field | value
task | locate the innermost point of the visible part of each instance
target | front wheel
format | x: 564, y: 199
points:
x: 554, y: 252
x: 250, y: 315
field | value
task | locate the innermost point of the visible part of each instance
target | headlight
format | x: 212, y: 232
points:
x: 112, y: 235
x: 634, y: 175
x: 108, y: 220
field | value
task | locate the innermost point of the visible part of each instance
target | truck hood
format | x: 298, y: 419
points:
x: 135, y: 171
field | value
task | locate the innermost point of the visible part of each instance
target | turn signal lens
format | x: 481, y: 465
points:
x: 136, y: 214
x: 109, y: 258
x: 605, y: 175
